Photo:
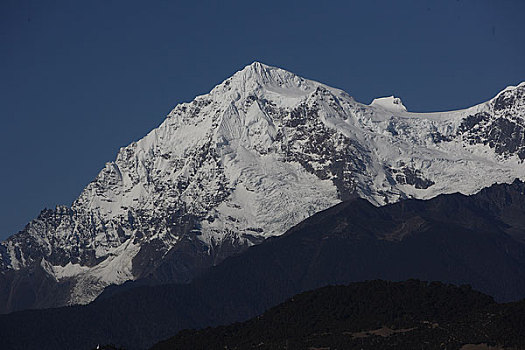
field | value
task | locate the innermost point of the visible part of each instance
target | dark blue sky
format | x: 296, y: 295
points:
x: 80, y: 79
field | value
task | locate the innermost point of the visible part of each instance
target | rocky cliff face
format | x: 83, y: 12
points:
x: 258, y: 154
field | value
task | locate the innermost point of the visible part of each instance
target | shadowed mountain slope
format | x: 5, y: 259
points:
x: 452, y: 238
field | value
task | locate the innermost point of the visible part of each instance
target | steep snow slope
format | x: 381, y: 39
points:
x: 261, y: 152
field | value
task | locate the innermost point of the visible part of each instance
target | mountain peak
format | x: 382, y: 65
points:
x: 256, y: 65
x: 261, y: 152
x: 257, y: 77
x: 258, y: 71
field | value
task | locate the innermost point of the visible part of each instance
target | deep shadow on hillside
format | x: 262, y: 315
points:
x: 476, y: 240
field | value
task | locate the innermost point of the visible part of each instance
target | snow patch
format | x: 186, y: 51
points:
x: 389, y: 103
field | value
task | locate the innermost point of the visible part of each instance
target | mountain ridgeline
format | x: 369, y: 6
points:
x: 476, y: 240
x: 223, y: 172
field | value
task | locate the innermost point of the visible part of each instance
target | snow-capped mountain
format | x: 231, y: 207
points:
x: 262, y: 151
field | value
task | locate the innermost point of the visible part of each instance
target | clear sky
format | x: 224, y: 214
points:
x: 80, y: 79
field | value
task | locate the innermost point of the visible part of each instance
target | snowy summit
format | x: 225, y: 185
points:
x: 262, y: 151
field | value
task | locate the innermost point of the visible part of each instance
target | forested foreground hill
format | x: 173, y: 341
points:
x: 372, y: 315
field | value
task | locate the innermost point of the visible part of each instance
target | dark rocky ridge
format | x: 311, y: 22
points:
x: 503, y: 129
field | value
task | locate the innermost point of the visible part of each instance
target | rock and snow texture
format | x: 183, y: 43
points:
x: 262, y: 151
